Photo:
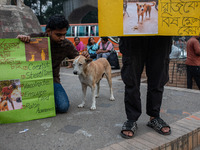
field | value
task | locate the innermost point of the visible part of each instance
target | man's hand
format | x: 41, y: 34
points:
x: 24, y: 38
x: 100, y: 51
x: 86, y: 54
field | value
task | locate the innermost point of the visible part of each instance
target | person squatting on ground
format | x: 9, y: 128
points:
x: 193, y: 61
x: 153, y: 52
x: 61, y: 48
x: 6, y: 93
x: 105, y: 48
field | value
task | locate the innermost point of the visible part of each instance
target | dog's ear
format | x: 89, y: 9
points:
x: 70, y: 60
x: 137, y: 4
x: 88, y: 60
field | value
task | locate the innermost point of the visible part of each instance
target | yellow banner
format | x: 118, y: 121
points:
x: 146, y: 17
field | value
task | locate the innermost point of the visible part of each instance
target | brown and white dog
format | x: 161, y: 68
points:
x: 90, y: 74
x: 144, y: 8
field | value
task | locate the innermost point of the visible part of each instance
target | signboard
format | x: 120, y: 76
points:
x: 26, y: 80
x: 149, y: 17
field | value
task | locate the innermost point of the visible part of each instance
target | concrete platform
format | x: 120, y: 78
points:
x: 83, y: 129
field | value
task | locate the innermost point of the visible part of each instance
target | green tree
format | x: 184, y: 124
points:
x: 55, y: 8
x: 43, y: 9
x: 31, y: 3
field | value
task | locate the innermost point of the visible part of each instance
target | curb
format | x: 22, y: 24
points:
x: 185, y: 136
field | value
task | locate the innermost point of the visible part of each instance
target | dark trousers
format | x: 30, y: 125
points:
x: 154, y: 54
x: 193, y: 72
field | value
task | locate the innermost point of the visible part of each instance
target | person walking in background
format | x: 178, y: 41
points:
x: 153, y: 52
x: 105, y: 48
x: 193, y: 61
x: 92, y: 47
x: 61, y: 48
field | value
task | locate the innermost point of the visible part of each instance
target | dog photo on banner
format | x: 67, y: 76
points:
x: 140, y: 17
x: 10, y: 95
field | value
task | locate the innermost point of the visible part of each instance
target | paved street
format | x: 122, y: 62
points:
x: 83, y: 129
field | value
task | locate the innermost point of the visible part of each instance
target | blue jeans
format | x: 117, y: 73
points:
x: 103, y: 55
x: 61, y: 98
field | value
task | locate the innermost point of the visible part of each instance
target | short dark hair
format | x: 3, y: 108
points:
x: 57, y: 21
x: 104, y: 38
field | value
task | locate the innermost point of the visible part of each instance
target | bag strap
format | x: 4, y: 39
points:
x: 104, y: 48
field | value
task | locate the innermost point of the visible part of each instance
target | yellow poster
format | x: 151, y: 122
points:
x: 149, y: 17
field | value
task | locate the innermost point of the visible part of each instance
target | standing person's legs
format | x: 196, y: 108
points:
x: 157, y: 66
x: 197, y: 75
x: 189, y: 77
x: 131, y: 75
x: 133, y: 64
x: 61, y: 98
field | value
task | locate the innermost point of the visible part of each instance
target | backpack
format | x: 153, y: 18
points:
x: 113, y: 59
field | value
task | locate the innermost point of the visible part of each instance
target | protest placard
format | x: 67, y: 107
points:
x: 149, y: 17
x: 26, y: 80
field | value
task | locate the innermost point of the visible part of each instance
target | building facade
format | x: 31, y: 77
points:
x: 81, y: 11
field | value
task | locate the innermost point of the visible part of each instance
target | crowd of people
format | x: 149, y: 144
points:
x: 96, y: 50
x: 101, y: 48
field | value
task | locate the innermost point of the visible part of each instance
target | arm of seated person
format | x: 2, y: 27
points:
x: 102, y: 51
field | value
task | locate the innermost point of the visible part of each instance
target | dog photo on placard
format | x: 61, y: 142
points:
x: 10, y: 95
x: 90, y: 74
x: 140, y: 17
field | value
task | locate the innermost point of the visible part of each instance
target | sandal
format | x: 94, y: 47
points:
x: 157, y: 124
x: 128, y: 126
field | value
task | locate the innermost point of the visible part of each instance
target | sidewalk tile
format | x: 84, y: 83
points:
x: 117, y: 147
x: 178, y: 127
x: 137, y: 144
x: 128, y: 146
x: 193, y: 122
x: 160, y: 138
x: 149, y: 139
x: 107, y: 148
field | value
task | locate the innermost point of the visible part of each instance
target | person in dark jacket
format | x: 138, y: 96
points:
x: 137, y: 52
x: 61, y: 48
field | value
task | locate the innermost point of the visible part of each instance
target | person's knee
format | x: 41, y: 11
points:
x: 62, y: 108
x: 105, y: 55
